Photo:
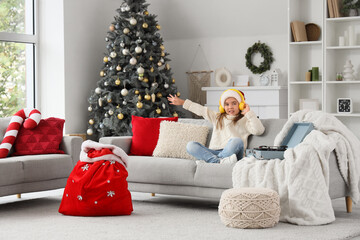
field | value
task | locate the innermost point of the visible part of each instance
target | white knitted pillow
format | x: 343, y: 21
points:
x: 174, y: 137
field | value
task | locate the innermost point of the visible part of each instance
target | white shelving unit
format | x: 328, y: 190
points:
x: 328, y: 56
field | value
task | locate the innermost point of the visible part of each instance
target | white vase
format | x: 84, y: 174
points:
x: 348, y: 71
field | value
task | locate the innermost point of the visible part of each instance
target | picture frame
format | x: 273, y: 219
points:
x: 241, y: 81
x: 309, y: 104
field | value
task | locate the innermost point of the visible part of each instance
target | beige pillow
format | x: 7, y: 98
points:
x: 174, y: 137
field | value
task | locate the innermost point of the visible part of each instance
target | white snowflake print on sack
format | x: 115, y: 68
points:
x: 79, y: 197
x: 112, y: 162
x: 110, y: 193
x: 85, y: 168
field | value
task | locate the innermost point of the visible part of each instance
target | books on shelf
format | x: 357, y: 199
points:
x: 298, y: 31
x: 334, y: 8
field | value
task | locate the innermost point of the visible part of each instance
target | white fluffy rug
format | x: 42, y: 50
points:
x: 159, y: 217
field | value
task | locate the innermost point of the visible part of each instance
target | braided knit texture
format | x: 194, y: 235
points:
x: 249, y: 208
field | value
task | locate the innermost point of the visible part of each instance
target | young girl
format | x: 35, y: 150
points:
x: 232, y: 126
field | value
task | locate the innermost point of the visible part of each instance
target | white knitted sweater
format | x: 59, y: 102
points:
x: 249, y: 124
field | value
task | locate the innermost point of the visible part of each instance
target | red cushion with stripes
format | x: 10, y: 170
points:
x: 43, y: 139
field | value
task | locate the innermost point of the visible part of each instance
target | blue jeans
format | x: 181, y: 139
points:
x: 199, y: 151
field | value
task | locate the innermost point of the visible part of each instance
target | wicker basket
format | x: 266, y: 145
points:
x: 312, y: 31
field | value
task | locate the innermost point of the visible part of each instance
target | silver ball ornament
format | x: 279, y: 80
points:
x: 133, y: 21
x: 90, y: 132
x: 138, y: 49
x: 122, y: 44
x: 124, y: 92
x: 125, y: 51
x: 133, y: 61
x: 166, y: 85
x: 111, y: 112
x: 126, y: 30
x: 124, y: 102
x: 155, y: 84
x: 113, y: 54
x: 90, y: 109
x: 140, y: 70
x: 97, y: 90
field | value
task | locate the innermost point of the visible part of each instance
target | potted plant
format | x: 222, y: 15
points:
x: 350, y: 7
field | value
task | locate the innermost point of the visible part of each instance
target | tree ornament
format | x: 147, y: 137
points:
x: 137, y: 92
x: 147, y: 97
x: 138, y: 49
x: 178, y: 94
x: 106, y: 39
x: 139, y: 97
x: 151, y: 69
x: 124, y: 102
x: 106, y: 84
x: 265, y: 52
x: 139, y: 41
x: 113, y: 54
x: 155, y: 84
x: 120, y: 116
x: 175, y: 114
x: 166, y: 85
x: 159, y: 95
x: 117, y: 26
x: 159, y: 64
x: 101, y: 125
x: 100, y: 102
x: 122, y: 44
x: 153, y: 97
x: 158, y: 110
x: 112, y: 27
x: 109, y: 100
x: 141, y: 77
x: 167, y: 66
x: 154, y: 43
x: 118, y: 68
x: 90, y: 109
x: 163, y: 105
x: 111, y: 68
x: 145, y: 25
x: 102, y: 73
x: 124, y: 92
x: 140, y: 70
x: 173, y: 80
x: 162, y: 54
x: 126, y: 30
x: 133, y: 61
x: 139, y: 105
x: 146, y: 80
x: 133, y: 21
x: 89, y: 132
x: 158, y: 27
x: 118, y: 106
x: 151, y: 58
x: 125, y: 51
x: 162, y: 47
x: 111, y: 112
x: 91, y: 121
x: 97, y: 90
x: 117, y: 82
x: 146, y: 13
x: 106, y: 115
x: 106, y: 59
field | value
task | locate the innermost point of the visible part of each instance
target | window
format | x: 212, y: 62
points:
x: 17, y: 55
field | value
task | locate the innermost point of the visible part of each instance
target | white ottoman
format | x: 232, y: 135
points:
x: 249, y: 207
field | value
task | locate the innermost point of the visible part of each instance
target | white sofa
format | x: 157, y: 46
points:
x: 32, y: 173
x: 185, y: 177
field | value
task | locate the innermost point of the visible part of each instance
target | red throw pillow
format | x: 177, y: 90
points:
x: 43, y: 139
x: 146, y: 134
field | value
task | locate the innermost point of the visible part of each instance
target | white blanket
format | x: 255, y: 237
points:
x: 302, y: 178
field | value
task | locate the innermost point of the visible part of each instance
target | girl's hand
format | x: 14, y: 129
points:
x: 246, y: 109
x: 174, y: 100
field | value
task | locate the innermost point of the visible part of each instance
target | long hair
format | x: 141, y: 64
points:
x: 220, y: 117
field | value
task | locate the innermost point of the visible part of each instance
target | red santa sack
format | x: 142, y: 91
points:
x: 97, y: 185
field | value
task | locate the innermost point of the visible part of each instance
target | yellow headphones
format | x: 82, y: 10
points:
x: 241, y: 104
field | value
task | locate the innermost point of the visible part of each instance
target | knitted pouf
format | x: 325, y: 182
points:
x: 249, y: 207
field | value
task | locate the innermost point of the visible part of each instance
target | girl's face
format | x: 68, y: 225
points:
x: 231, y: 106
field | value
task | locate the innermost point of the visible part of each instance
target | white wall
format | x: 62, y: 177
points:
x: 73, y: 32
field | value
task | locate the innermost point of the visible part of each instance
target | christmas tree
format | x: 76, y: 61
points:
x: 135, y: 78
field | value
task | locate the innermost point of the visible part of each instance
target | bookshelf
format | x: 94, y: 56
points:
x: 328, y: 56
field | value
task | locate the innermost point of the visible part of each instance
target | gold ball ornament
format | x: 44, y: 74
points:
x: 151, y: 69
x: 158, y: 110
x: 106, y: 59
x: 139, y: 97
x: 159, y: 64
x: 145, y: 25
x: 102, y: 73
x: 112, y: 27
x: 137, y: 92
x: 178, y: 94
x: 175, y: 114
x: 167, y: 66
x: 162, y: 47
x: 139, y: 105
x: 151, y: 58
x: 126, y: 30
x: 109, y: 100
x: 158, y: 27
x: 120, y: 116
x: 146, y: 80
x: 162, y: 54
x: 173, y: 80
x: 159, y: 95
x: 117, y: 82
x: 91, y: 121
x: 147, y: 97
x: 146, y: 13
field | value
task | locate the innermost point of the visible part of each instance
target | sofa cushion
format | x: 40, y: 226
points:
x: 4, y: 123
x: 11, y: 171
x: 174, y: 137
x: 43, y: 139
x: 213, y: 175
x: 201, y: 122
x: 145, y: 134
x: 45, y: 167
x: 172, y: 171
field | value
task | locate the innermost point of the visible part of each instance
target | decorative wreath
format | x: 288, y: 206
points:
x: 265, y: 52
